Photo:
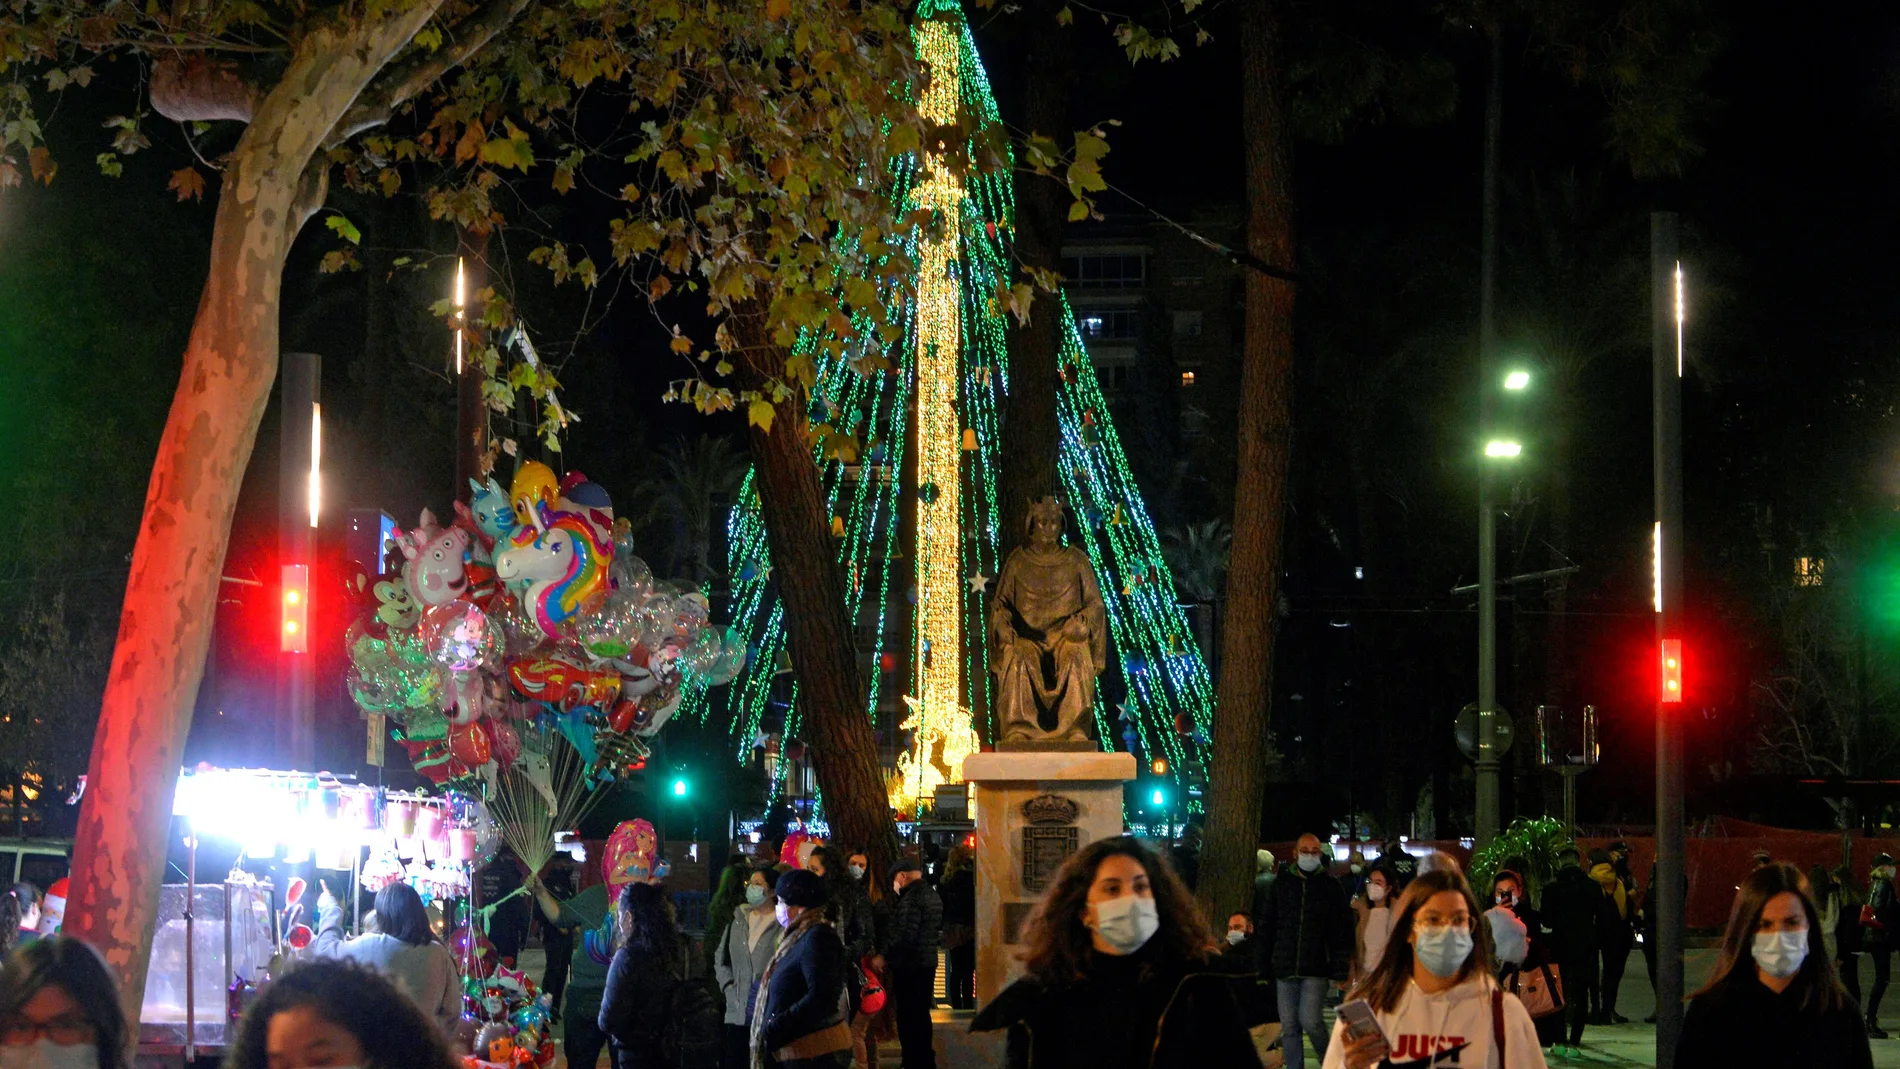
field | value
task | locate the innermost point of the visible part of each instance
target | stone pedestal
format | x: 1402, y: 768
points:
x: 1077, y: 798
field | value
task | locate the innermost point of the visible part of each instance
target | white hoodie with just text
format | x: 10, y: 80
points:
x: 1450, y: 1030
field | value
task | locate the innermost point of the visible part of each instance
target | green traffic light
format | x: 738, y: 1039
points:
x: 679, y: 788
x: 1160, y: 797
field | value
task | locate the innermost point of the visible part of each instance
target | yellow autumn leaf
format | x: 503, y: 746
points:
x: 760, y: 414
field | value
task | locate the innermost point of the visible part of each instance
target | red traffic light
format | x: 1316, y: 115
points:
x: 295, y: 633
x: 1672, y: 670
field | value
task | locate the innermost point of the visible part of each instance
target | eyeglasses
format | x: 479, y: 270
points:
x: 65, y: 1031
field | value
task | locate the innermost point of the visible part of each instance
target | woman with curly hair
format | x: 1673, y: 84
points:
x: 1122, y: 973
x: 1435, y: 992
x: 640, y: 979
x: 329, y: 1012
x: 59, y: 1008
x: 1770, y: 999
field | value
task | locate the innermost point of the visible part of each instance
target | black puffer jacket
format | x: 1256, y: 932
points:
x: 1307, y: 928
x: 916, y: 928
x: 1129, y: 1013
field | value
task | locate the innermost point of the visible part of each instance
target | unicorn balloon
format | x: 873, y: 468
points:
x: 434, y: 561
x: 555, y: 567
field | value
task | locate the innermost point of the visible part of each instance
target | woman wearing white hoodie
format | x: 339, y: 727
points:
x: 1434, y: 992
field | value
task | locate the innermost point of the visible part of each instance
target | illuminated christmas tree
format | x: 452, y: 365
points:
x: 916, y: 521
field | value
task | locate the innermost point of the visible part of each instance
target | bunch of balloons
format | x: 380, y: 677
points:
x: 529, y: 610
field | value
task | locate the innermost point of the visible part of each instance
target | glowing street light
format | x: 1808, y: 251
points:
x: 1517, y: 380
x: 1503, y: 448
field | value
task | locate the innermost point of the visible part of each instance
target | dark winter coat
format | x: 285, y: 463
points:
x: 804, y: 992
x: 1307, y: 928
x: 1253, y: 993
x: 916, y: 928
x: 1129, y: 1013
x: 1847, y: 930
x: 853, y: 917
x: 1885, y: 934
x: 958, y: 894
x: 1572, y: 912
x: 635, y: 1006
x: 1743, y: 1023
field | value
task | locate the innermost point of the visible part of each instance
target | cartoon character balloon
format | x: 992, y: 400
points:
x: 435, y: 560
x: 555, y: 567
x: 630, y: 854
x: 490, y: 510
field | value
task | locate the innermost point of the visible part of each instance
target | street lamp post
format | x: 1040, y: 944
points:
x: 1488, y: 814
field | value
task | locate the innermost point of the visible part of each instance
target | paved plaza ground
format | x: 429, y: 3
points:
x: 1613, y: 1047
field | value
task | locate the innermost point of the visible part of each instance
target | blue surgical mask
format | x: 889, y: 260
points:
x: 1442, y: 950
x: 754, y: 895
x: 857, y: 872
x: 1780, y: 954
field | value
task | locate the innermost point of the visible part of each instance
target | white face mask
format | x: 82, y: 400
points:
x: 1309, y: 862
x: 1781, y: 953
x: 1235, y: 936
x: 857, y: 872
x: 780, y: 911
x: 1375, y: 891
x: 1356, y: 869
x: 1126, y: 923
x: 43, y: 1053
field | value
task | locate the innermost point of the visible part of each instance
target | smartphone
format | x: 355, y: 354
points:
x: 1360, y: 1021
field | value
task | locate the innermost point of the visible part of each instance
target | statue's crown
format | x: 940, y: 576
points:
x: 1050, y: 809
x: 1047, y: 508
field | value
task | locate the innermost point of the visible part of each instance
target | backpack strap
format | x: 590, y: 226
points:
x: 1497, y: 1023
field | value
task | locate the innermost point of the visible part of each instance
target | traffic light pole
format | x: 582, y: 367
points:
x: 297, y: 501
x: 1667, y: 893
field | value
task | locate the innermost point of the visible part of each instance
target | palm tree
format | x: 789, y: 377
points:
x: 1197, y: 554
x: 700, y: 473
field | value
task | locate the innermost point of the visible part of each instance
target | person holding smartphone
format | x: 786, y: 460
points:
x: 1434, y: 995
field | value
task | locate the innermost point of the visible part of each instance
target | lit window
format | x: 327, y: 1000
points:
x: 1809, y: 571
x: 1187, y: 378
x: 1107, y: 325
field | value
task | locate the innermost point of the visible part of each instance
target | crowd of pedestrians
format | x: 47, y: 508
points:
x: 1120, y: 969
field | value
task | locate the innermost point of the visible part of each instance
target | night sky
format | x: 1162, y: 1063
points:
x: 1788, y: 220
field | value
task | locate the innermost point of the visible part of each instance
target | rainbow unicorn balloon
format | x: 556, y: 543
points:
x: 556, y: 566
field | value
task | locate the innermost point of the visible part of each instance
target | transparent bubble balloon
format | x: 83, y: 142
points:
x: 702, y: 654
x: 732, y: 658
x: 690, y: 616
x: 657, y: 613
x: 519, y: 628
x: 457, y: 635
x: 407, y: 648
x: 615, y: 628
x: 631, y: 575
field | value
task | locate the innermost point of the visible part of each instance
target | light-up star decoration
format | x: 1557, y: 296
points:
x: 979, y: 583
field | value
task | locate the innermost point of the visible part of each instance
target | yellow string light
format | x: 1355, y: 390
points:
x: 939, y: 718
